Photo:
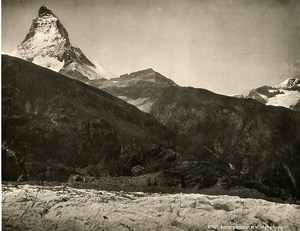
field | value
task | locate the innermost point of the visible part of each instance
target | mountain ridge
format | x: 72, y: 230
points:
x: 139, y: 88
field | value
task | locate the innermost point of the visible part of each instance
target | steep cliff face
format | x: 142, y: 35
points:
x: 47, y: 44
x: 57, y: 124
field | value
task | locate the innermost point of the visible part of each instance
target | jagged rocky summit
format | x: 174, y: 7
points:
x: 47, y: 44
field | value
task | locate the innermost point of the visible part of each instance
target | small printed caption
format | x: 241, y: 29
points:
x: 244, y: 227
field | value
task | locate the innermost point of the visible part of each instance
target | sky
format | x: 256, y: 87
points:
x: 226, y: 46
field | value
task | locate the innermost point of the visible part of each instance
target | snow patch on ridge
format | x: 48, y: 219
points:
x: 144, y: 104
x: 85, y: 70
x: 288, y: 99
x: 263, y: 96
x: 49, y: 62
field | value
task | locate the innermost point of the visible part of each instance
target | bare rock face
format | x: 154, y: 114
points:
x: 47, y: 44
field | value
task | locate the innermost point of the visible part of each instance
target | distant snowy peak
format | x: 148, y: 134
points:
x: 47, y: 44
x: 286, y: 94
x: 290, y: 84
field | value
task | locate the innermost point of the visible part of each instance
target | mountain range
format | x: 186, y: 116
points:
x: 47, y: 44
x: 134, y: 89
x: 190, y: 137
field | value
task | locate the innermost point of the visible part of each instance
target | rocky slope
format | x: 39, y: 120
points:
x: 47, y: 44
x: 140, y: 89
x: 63, y: 208
x: 286, y: 94
x: 56, y: 124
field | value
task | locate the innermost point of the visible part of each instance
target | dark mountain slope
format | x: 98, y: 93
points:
x: 48, y: 118
x: 254, y: 144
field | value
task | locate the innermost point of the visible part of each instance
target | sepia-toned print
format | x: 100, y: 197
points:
x: 150, y: 115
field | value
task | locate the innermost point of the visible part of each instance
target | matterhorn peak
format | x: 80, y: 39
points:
x: 44, y: 11
x: 47, y: 44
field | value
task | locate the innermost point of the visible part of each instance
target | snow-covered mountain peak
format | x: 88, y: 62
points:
x: 289, y: 84
x: 47, y: 44
x: 285, y: 94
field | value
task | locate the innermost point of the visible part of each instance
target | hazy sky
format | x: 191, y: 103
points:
x: 227, y: 46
